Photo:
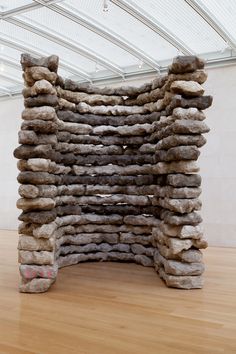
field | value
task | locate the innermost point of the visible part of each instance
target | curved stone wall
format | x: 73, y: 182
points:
x: 110, y: 174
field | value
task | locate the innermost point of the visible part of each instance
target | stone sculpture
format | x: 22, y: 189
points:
x: 110, y: 174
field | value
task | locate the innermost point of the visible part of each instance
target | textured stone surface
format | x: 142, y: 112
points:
x: 36, y: 73
x: 187, y: 88
x: 179, y: 180
x: 184, y: 64
x: 36, y: 285
x: 108, y: 174
x: 182, y: 282
x: 43, y: 113
x: 50, y: 62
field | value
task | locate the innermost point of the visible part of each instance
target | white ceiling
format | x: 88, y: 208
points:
x: 99, y: 40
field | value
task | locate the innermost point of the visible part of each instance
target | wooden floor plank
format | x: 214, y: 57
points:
x: 114, y: 308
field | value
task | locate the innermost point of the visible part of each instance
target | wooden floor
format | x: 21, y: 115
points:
x: 112, y: 308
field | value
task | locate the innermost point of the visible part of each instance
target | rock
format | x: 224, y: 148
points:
x: 47, y: 191
x: 200, y: 103
x: 182, y: 282
x: 183, y: 219
x: 36, y: 73
x: 175, y: 167
x: 91, y: 99
x: 36, y: 285
x: 36, y: 257
x: 40, y: 87
x: 185, y: 231
x: 42, y: 217
x: 178, y: 205
x: 98, y: 120
x: 64, y: 104
x: 178, y: 153
x: 50, y: 62
x: 113, y: 169
x: 45, y: 230
x: 188, y: 113
x: 86, y: 238
x: 143, y: 260
x: 141, y: 220
x: 185, y: 64
x: 35, y: 204
x: 179, y: 180
x: 187, y: 88
x: 177, y: 140
x: 33, y: 271
x: 129, y: 237
x: 141, y: 250
x: 36, y: 178
x: 42, y: 113
x: 28, y: 191
x: 74, y: 127
x: 39, y: 126
x: 31, y: 138
x: 176, y: 193
x: 41, y: 100
x: 89, y: 218
x: 29, y: 243
x: 180, y: 268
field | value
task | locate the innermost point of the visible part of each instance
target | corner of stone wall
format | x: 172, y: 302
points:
x: 179, y: 136
x: 37, y: 178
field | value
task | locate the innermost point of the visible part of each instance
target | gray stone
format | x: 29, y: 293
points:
x: 181, y: 282
x: 35, y: 204
x: 184, y: 64
x: 180, y: 268
x: 28, y: 191
x: 179, y: 180
x: 36, y: 285
x: 178, y: 205
x: 29, y: 243
x: 182, y: 219
x: 177, y: 140
x: 178, y: 153
x: 50, y: 62
x: 187, y: 88
x: 33, y: 271
x: 36, y: 73
x: 42, y: 113
x: 36, y: 257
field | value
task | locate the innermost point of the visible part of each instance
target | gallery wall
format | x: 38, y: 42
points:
x: 217, y: 161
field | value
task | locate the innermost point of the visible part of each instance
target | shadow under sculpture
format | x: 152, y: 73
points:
x: 110, y: 174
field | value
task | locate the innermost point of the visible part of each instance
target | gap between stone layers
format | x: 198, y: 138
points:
x: 110, y: 174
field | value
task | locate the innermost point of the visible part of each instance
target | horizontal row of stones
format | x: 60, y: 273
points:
x: 46, y: 69
x: 177, y: 205
x: 52, y: 191
x: 168, y: 103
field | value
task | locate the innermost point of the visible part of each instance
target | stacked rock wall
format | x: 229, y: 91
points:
x: 110, y: 174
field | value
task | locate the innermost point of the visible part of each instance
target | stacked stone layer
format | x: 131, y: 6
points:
x: 110, y: 174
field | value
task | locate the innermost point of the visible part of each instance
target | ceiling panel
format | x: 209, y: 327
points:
x: 130, y: 38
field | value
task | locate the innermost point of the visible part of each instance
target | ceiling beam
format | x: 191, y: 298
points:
x: 104, y: 32
x: 212, y: 21
x: 25, y: 8
x: 74, y: 47
x: 10, y: 78
x: 10, y: 62
x: 63, y: 65
x: 137, y: 12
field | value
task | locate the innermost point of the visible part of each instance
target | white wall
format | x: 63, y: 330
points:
x: 10, y: 120
x: 217, y: 161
